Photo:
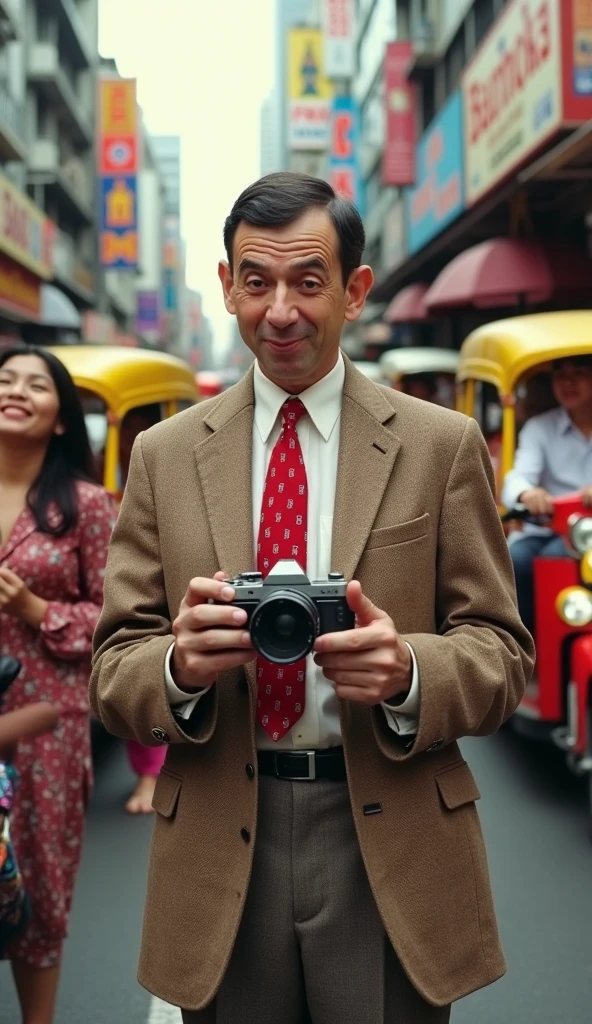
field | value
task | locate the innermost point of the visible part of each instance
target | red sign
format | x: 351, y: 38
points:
x: 118, y: 154
x: 20, y: 291
x: 398, y: 165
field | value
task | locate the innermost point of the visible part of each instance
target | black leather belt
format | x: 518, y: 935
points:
x: 303, y: 765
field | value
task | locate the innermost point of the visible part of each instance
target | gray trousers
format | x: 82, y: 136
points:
x: 311, y: 948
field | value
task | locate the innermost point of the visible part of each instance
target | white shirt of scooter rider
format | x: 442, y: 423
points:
x: 319, y: 437
x: 552, y: 453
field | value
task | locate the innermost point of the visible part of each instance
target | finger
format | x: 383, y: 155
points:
x: 349, y: 661
x: 352, y: 677
x: 359, y: 694
x: 8, y: 575
x: 362, y: 607
x: 366, y: 638
x: 204, y: 616
x: 223, y: 661
x: 201, y: 590
x: 215, y: 640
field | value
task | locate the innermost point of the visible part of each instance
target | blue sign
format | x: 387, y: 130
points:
x: 439, y: 195
x: 344, y: 172
x: 118, y: 221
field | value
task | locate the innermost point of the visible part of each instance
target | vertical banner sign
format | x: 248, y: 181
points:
x: 398, y: 165
x: 344, y: 173
x: 582, y: 47
x: 339, y: 38
x: 118, y: 166
x: 309, y: 91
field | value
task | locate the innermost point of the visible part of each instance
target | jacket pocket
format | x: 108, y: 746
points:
x: 457, y: 786
x: 166, y: 793
x: 400, y: 534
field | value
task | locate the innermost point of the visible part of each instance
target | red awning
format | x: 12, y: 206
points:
x: 408, y: 305
x: 508, y: 271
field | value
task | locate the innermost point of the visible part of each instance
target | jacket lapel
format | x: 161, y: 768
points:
x: 224, y: 467
x: 367, y: 453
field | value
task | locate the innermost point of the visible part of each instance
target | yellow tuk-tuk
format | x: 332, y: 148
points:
x: 504, y: 373
x: 506, y: 364
x: 436, y: 365
x: 114, y: 381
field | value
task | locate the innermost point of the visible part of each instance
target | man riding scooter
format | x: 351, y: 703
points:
x: 554, y: 457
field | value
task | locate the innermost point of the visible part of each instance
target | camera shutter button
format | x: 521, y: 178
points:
x: 335, y: 576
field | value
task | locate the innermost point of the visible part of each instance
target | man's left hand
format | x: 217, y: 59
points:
x: 370, y: 663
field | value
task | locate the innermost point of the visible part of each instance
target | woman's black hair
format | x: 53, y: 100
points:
x: 69, y: 456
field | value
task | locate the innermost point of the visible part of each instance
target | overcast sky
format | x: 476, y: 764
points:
x: 203, y: 67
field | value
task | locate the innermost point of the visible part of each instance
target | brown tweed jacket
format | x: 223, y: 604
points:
x: 416, y: 522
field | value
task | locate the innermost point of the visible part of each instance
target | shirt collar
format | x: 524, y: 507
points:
x: 565, y: 421
x: 322, y: 401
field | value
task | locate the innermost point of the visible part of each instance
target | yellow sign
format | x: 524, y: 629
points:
x: 120, y: 202
x: 26, y: 234
x: 118, y: 106
x: 306, y: 72
x: 309, y: 91
x: 119, y: 248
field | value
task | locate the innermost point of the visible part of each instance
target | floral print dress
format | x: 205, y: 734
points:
x: 47, y: 820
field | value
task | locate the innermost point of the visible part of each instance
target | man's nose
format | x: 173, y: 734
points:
x: 281, y: 312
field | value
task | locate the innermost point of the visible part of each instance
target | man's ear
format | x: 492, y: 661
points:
x: 225, y: 275
x: 360, y: 282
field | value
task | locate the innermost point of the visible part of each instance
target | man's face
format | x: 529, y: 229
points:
x: 572, y: 386
x: 287, y: 293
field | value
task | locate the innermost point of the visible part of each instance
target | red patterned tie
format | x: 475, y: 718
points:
x: 282, y: 534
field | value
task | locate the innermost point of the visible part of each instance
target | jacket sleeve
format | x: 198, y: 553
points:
x: 68, y: 626
x: 473, y: 671
x: 127, y: 686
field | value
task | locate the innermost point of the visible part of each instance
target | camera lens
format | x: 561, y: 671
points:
x: 284, y: 627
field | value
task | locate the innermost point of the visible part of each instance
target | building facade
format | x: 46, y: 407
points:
x: 167, y: 155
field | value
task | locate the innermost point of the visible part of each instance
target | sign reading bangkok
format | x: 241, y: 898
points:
x: 512, y: 92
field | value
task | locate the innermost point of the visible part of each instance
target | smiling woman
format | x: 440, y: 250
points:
x: 55, y: 525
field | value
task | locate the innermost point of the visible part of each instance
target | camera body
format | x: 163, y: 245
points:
x: 286, y: 611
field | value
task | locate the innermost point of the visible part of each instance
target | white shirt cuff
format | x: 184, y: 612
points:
x: 403, y: 720
x: 181, y: 704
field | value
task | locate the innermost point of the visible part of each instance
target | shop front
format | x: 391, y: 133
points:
x: 523, y: 139
x: 26, y: 238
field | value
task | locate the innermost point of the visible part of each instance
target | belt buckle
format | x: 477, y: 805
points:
x: 312, y: 773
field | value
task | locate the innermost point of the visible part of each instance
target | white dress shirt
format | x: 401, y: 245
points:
x: 318, y: 434
x: 552, y: 453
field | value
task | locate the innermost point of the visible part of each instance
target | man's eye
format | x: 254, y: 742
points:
x: 310, y: 284
x: 255, y: 283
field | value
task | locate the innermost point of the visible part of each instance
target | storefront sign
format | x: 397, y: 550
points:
x: 344, y: 174
x: 339, y: 38
x: 512, y: 92
x: 309, y: 91
x: 148, y: 312
x: 393, y: 241
x: 582, y: 47
x: 398, y: 165
x: 26, y: 234
x: 438, y: 196
x: 118, y: 166
x: 20, y: 290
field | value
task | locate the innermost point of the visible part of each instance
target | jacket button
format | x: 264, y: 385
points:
x: 249, y: 770
x: 160, y: 735
x: 246, y: 835
x: 435, y: 745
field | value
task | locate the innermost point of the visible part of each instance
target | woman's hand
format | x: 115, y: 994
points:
x: 17, y: 600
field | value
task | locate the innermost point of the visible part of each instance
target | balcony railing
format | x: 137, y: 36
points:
x: 11, y: 113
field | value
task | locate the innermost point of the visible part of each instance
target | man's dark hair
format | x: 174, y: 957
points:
x: 278, y: 199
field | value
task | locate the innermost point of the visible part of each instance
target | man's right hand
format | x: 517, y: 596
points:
x: 209, y: 638
x: 538, y: 501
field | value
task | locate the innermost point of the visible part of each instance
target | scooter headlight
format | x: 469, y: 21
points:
x: 580, y: 534
x: 586, y: 568
x: 574, y: 606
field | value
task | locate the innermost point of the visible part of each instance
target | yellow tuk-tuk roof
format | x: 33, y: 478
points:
x: 500, y: 353
x: 402, y: 361
x: 127, y: 377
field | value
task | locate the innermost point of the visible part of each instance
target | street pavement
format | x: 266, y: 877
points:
x: 539, y: 841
